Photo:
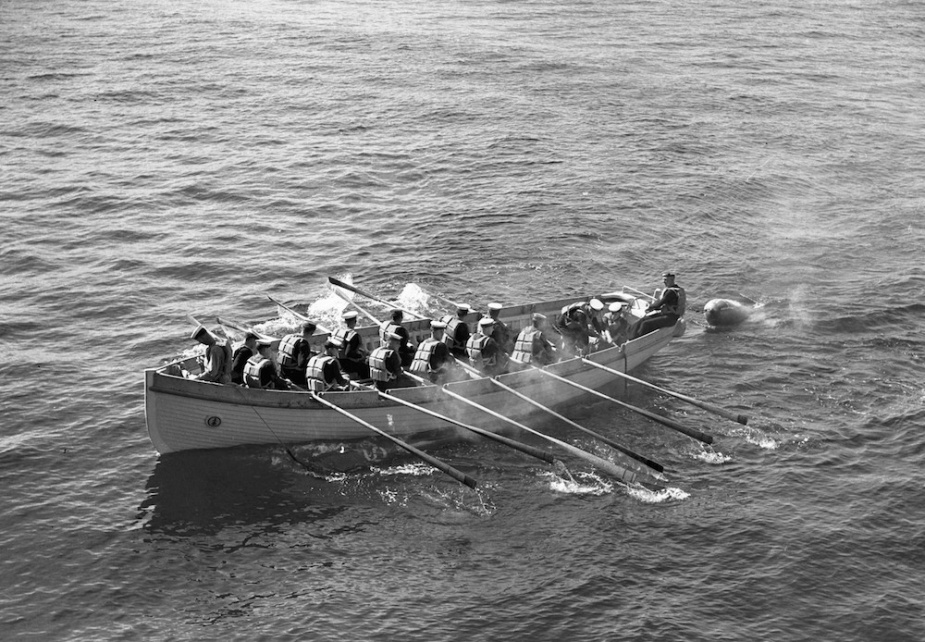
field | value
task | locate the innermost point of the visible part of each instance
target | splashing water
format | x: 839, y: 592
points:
x: 586, y: 484
x: 711, y: 456
x: 649, y: 496
x: 414, y: 299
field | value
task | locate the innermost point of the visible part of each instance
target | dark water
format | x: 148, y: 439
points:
x: 166, y: 158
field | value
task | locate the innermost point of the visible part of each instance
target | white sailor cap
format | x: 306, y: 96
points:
x: 538, y: 317
x: 462, y: 307
x: 596, y: 304
x: 333, y: 342
x: 484, y: 322
x: 438, y: 323
x: 350, y: 314
x: 494, y: 307
x: 616, y: 306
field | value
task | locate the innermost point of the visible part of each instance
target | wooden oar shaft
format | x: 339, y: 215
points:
x: 610, y: 442
x: 433, y: 461
x: 722, y: 412
x: 623, y: 474
x: 690, y: 432
x: 300, y: 317
x: 368, y: 295
x: 240, y: 327
x: 524, y: 448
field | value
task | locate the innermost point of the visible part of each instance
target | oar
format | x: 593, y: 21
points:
x: 648, y: 296
x: 433, y: 461
x: 623, y: 449
x: 722, y: 412
x: 353, y: 288
x: 690, y: 432
x: 300, y: 317
x: 620, y: 473
x: 372, y: 317
x: 524, y: 448
x: 240, y: 327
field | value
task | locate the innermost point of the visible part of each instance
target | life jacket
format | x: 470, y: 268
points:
x: 288, y: 353
x: 225, y: 375
x: 255, y: 372
x: 679, y: 308
x: 345, y: 335
x: 523, y: 347
x: 449, y: 333
x: 378, y: 369
x: 422, y: 357
x: 474, y: 348
x: 314, y: 373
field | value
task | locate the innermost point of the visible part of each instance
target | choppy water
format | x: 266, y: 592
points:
x: 163, y: 158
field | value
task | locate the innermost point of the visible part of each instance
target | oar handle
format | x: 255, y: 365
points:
x: 433, y: 461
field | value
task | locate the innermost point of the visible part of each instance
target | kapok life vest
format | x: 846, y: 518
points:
x: 288, y: 353
x: 523, y: 347
x: 422, y: 357
x: 314, y: 373
x: 474, y: 348
x: 378, y: 369
x: 256, y: 374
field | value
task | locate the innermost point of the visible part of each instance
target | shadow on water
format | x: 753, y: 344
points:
x: 203, y: 492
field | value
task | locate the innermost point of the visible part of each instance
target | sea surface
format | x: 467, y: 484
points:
x: 160, y: 159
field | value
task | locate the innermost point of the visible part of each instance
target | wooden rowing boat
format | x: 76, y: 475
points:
x: 185, y: 414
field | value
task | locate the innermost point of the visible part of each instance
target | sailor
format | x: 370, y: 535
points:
x: 241, y: 354
x: 665, y: 310
x: 217, y: 363
x: 385, y: 365
x: 501, y: 333
x: 532, y: 346
x: 294, y: 352
x: 405, y: 349
x: 260, y: 371
x: 618, y: 325
x: 433, y: 357
x: 351, y: 354
x: 575, y: 324
x: 457, y: 334
x: 323, y: 371
x: 484, y: 352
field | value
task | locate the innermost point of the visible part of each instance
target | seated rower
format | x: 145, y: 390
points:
x: 501, y: 333
x: 457, y: 334
x: 385, y: 365
x: 294, y: 353
x: 484, y: 352
x: 532, y: 346
x: 433, y: 357
x: 243, y: 352
x: 260, y: 371
x: 323, y: 371
x: 351, y: 354
x: 405, y: 349
x: 217, y: 366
